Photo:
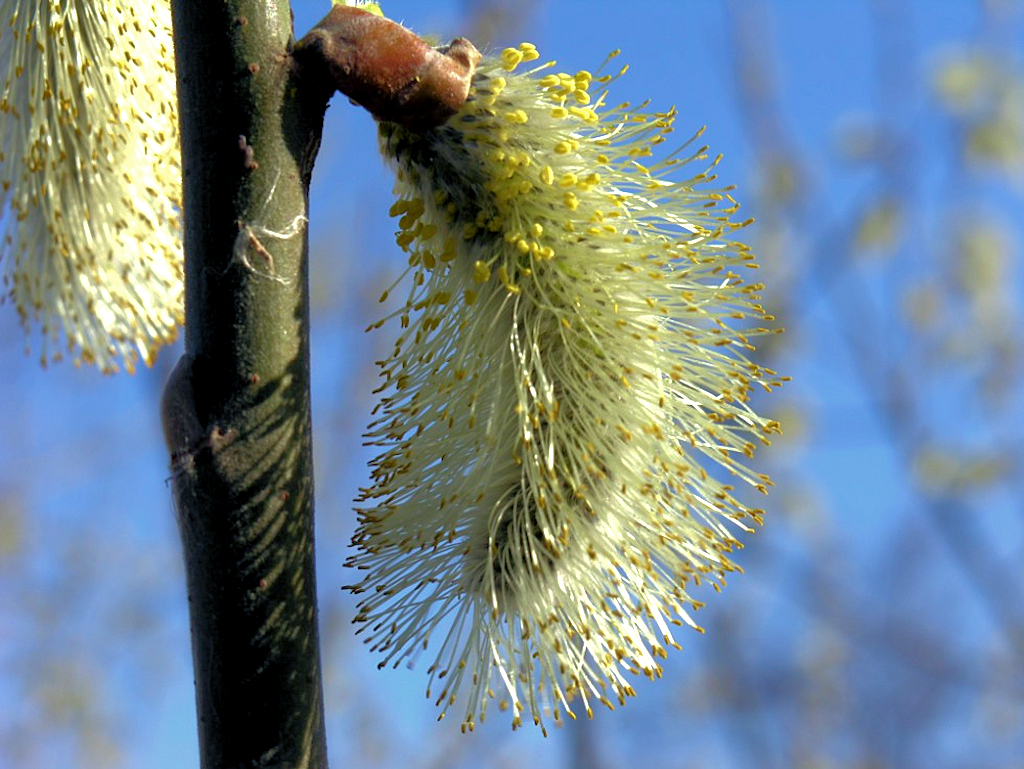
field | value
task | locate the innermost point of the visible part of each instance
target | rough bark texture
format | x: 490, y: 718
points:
x: 236, y: 411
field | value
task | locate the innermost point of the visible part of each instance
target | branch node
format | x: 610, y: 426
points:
x: 386, y: 68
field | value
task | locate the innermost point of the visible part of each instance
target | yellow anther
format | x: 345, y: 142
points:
x: 547, y: 175
x: 581, y: 96
x: 415, y: 207
x: 563, y: 148
x: 470, y: 296
x: 537, y: 229
x: 567, y: 180
x: 519, y: 117
x: 571, y: 201
x: 586, y: 114
x: 510, y: 59
x: 549, y: 81
x: 505, y: 281
x: 449, y: 250
x: 481, y: 272
x: 559, y: 113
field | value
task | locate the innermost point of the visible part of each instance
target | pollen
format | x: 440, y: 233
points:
x: 481, y: 272
x: 529, y: 51
x: 511, y: 58
x: 519, y: 116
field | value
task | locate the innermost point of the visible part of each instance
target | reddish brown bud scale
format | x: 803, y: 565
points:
x: 387, y: 69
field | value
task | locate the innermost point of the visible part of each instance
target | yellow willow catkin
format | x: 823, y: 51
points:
x: 90, y: 178
x: 570, y: 381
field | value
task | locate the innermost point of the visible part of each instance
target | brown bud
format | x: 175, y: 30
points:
x: 387, y: 69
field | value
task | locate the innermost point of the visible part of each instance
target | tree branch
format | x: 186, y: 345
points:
x: 236, y: 411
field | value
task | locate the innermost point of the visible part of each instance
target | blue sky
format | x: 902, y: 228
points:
x: 83, y: 452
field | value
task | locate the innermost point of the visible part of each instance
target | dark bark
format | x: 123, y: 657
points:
x: 236, y: 411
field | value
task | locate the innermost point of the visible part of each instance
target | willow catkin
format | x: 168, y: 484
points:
x: 565, y: 400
